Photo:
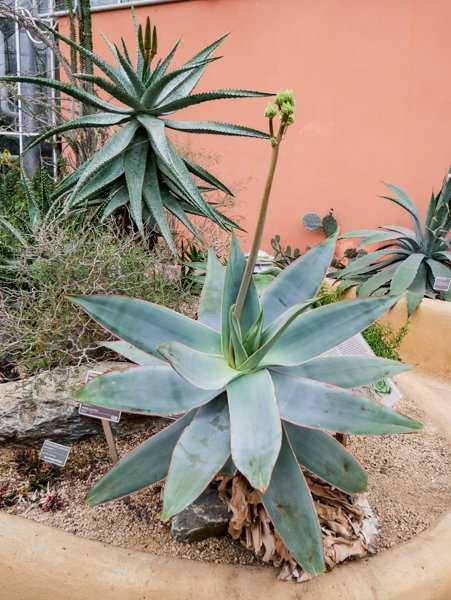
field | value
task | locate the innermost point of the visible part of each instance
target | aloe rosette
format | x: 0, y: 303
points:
x: 139, y: 166
x: 409, y: 260
x: 254, y: 394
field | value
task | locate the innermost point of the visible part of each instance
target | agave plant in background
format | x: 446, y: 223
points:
x: 139, y: 166
x: 409, y: 260
x: 248, y: 383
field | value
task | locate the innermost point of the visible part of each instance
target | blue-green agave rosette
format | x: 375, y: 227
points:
x: 255, y: 393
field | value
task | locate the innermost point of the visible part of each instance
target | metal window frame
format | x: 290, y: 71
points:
x: 114, y: 5
x: 19, y: 132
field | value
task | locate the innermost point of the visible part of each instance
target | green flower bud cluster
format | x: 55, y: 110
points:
x: 284, y: 105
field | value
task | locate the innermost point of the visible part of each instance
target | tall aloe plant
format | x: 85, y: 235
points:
x: 409, y: 260
x: 249, y: 384
x: 139, y: 166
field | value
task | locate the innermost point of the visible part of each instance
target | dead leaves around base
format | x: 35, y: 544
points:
x: 348, y: 526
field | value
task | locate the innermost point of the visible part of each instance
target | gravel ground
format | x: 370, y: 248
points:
x: 409, y: 487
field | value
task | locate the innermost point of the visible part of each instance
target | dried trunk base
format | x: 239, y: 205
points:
x: 348, y: 525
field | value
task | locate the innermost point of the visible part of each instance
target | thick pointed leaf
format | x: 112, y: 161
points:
x: 236, y: 340
x: 321, y: 454
x: 175, y: 165
x: 346, y: 371
x: 70, y: 90
x: 256, y: 431
x: 135, y: 159
x: 117, y: 199
x: 116, y: 92
x: 151, y: 390
x: 385, y: 236
x: 152, y: 196
x: 211, y: 296
x: 290, y: 506
x: 144, y: 466
x: 405, y: 274
x: 205, y: 371
x: 376, y: 281
x: 174, y: 206
x: 215, y: 127
x: 403, y: 200
x: 113, y: 148
x: 251, y: 310
x: 272, y: 333
x: 200, y: 453
x: 184, y: 84
x: 323, y: 328
x: 206, y: 97
x: 132, y: 353
x: 158, y: 86
x: 439, y: 269
x: 299, y: 282
x: 99, y: 183
x: 206, y: 176
x: 313, y: 404
x: 359, y: 233
x: 99, y: 62
x: 102, y: 119
x: 146, y: 325
x: 362, y: 264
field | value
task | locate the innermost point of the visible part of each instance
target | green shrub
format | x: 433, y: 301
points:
x: 41, y: 329
x: 384, y: 340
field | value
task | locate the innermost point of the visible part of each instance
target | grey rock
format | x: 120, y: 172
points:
x: 206, y: 517
x: 43, y: 406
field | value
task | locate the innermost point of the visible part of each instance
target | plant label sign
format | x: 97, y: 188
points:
x: 53, y: 453
x: 442, y: 284
x: 99, y: 412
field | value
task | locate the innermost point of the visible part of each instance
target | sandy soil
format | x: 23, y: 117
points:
x: 409, y: 487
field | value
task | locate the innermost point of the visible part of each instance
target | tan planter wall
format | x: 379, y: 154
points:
x: 427, y: 343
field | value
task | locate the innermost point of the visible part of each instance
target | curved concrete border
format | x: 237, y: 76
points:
x: 427, y: 343
x: 39, y: 563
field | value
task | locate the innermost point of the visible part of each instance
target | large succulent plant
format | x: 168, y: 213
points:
x: 139, y: 166
x: 409, y: 260
x: 255, y: 394
x: 248, y: 383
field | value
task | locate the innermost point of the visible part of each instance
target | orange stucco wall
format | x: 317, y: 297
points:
x: 373, y: 92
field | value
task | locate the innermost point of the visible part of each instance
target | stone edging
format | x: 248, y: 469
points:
x: 40, y: 563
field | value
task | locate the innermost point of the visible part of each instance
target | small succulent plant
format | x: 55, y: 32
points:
x: 314, y: 222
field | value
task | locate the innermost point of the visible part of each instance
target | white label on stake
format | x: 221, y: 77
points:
x: 442, y: 284
x: 53, y: 453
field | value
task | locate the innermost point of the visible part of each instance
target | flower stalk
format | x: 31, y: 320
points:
x: 284, y: 107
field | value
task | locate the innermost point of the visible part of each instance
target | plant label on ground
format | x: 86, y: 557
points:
x: 99, y: 412
x: 442, y: 284
x: 53, y: 453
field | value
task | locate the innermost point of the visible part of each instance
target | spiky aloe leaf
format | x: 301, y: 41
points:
x: 313, y: 404
x: 255, y: 441
x: 214, y: 127
x: 102, y: 119
x: 206, y: 371
x: 207, y: 97
x: 144, y: 466
x: 290, y: 506
x: 299, y: 282
x: 146, y: 325
x: 403, y: 200
x: 135, y: 159
x: 346, y: 371
x: 206, y: 176
x: 66, y: 88
x: 152, y: 390
x: 321, y: 454
x: 154, y: 202
x: 200, y: 453
x: 315, y: 332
